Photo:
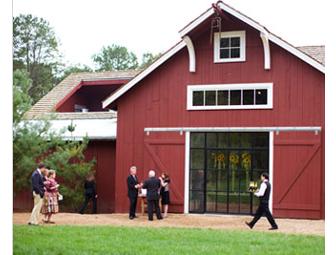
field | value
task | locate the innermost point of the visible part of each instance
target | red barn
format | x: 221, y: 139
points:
x: 229, y: 101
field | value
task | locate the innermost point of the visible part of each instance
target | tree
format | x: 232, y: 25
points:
x: 148, y: 58
x: 115, y: 57
x: 35, y: 49
x: 35, y: 141
x: 78, y: 68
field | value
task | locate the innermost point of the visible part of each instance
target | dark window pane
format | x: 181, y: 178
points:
x: 234, y: 139
x: 196, y: 203
x: 235, y: 97
x: 261, y: 140
x: 261, y: 96
x: 197, y: 140
x: 235, y: 53
x: 246, y: 140
x: 211, y: 201
x: 222, y: 97
x: 211, y: 180
x: 198, y: 98
x: 197, y: 159
x: 211, y: 140
x: 223, y: 140
x: 210, y: 97
x: 248, y: 97
x: 222, y: 202
x: 224, y: 42
x: 224, y: 53
x: 235, y: 42
x: 197, y: 180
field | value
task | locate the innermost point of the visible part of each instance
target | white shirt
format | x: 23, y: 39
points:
x: 262, y: 189
x: 38, y: 170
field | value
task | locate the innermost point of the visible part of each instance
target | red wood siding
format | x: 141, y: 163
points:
x: 160, y: 100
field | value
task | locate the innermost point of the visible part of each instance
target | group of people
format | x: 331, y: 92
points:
x: 45, y: 194
x: 155, y: 187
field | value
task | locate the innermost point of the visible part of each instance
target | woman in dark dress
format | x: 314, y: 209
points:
x: 90, y: 194
x: 165, y: 180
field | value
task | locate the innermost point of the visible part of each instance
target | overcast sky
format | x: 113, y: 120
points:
x: 84, y: 26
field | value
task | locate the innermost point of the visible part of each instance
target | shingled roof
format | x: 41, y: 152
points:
x: 46, y: 104
x: 316, y: 52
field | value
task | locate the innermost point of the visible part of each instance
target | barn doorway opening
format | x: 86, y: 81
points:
x: 222, y: 165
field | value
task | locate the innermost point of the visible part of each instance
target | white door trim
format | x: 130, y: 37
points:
x: 186, y: 172
x: 270, y: 167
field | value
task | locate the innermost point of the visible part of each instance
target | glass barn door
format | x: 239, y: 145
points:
x: 221, y: 168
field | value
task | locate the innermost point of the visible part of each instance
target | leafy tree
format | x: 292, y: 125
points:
x: 147, y: 59
x: 35, y: 141
x: 35, y: 49
x: 78, y: 68
x: 115, y: 57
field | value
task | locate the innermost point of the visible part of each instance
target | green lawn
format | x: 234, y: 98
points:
x: 125, y: 240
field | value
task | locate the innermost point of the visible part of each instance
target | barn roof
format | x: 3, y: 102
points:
x: 316, y: 52
x: 313, y: 55
x: 46, y: 104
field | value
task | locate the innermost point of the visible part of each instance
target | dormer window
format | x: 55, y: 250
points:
x: 229, y: 46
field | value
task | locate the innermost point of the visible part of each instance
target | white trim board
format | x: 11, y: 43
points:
x: 270, y: 167
x: 186, y: 172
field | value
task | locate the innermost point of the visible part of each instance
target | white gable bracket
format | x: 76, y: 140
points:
x: 267, y: 50
x: 191, y: 52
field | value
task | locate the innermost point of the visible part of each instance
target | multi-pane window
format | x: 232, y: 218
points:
x: 229, y: 46
x: 230, y: 96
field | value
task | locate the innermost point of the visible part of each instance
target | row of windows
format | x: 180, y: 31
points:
x: 230, y: 97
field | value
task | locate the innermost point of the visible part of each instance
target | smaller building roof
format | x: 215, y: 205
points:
x: 47, y: 104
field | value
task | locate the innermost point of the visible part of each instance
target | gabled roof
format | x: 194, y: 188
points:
x: 307, y: 55
x: 48, y: 103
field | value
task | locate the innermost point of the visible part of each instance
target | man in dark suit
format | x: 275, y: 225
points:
x: 38, y: 193
x: 264, y: 195
x: 153, y: 186
x: 133, y: 186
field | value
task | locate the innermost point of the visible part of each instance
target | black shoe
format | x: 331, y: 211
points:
x: 131, y: 217
x: 249, y: 225
x: 160, y: 218
x: 273, y: 228
x: 150, y: 219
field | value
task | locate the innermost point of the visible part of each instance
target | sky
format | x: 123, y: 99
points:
x: 83, y: 27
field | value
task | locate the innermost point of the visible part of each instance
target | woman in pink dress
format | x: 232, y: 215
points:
x: 50, y: 203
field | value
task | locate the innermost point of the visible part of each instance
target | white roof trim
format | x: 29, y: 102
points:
x: 195, y: 23
x: 143, y: 74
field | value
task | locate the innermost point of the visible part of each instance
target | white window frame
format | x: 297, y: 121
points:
x: 218, y: 36
x: 237, y: 86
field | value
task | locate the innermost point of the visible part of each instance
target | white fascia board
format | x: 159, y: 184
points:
x: 143, y: 74
x: 94, y: 129
x: 296, y: 52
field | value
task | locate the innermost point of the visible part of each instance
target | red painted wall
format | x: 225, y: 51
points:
x: 160, y: 101
x: 104, y: 153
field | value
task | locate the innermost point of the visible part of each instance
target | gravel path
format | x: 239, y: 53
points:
x: 311, y: 227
